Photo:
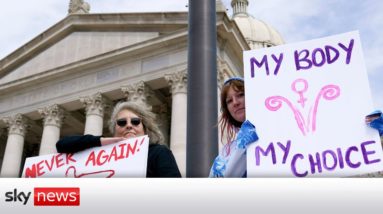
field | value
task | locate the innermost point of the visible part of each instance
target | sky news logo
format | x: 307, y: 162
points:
x: 46, y: 196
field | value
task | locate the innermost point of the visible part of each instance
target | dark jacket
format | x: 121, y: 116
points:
x: 161, y: 162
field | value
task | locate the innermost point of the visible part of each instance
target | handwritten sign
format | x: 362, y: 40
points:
x: 308, y: 102
x: 127, y: 158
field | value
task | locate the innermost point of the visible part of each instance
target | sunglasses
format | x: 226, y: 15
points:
x: 135, y: 121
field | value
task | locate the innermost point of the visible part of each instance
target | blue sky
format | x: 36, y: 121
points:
x: 296, y: 20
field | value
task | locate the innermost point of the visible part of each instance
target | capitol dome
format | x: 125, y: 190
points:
x: 257, y: 33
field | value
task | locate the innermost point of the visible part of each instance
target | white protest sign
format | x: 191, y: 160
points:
x: 308, y: 102
x: 127, y: 158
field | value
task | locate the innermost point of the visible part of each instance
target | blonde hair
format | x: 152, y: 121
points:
x: 147, y: 117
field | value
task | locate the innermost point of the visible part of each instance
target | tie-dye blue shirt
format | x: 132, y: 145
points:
x: 378, y: 122
x: 231, y: 162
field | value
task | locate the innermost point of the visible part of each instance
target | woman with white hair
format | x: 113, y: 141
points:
x: 129, y: 120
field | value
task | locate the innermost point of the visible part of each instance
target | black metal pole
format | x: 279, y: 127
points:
x: 202, y: 132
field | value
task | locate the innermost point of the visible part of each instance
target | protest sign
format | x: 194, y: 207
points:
x: 127, y: 158
x: 308, y: 102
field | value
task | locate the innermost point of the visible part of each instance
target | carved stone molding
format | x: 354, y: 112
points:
x: 95, y: 104
x: 17, y: 124
x: 78, y: 6
x: 177, y: 82
x: 220, y: 78
x: 220, y: 6
x: 138, y: 92
x: 222, y: 71
x: 53, y: 115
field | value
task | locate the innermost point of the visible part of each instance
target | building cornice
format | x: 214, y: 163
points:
x: 130, y: 52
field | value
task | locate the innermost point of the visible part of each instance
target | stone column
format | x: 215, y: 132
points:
x: 178, y: 84
x: 3, y: 143
x: 95, y: 106
x: 2, y: 135
x: 17, y: 127
x: 138, y: 92
x: 53, y: 117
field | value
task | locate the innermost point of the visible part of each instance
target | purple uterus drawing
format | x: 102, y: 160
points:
x: 300, y: 86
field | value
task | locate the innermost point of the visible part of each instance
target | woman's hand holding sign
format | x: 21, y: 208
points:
x: 375, y: 120
x: 110, y: 140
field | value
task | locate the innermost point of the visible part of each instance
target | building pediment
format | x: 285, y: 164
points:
x: 82, y: 36
x: 84, y: 40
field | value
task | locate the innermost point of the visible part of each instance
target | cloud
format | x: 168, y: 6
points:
x: 21, y: 21
x: 371, y: 24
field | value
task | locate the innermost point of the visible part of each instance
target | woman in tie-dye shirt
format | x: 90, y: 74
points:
x: 231, y: 162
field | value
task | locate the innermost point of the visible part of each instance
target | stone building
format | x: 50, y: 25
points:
x: 65, y: 81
